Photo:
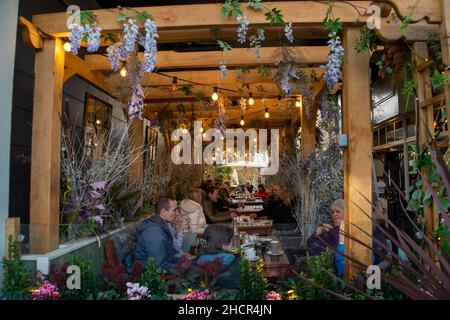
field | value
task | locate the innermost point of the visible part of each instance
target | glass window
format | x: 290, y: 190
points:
x: 375, y: 138
x: 398, y: 131
x: 98, y: 122
x: 390, y: 133
x: 383, y: 136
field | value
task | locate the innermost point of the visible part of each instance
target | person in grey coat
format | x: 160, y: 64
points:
x: 155, y: 238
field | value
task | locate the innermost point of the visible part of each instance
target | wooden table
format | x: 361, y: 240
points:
x: 275, y: 266
x: 257, y: 228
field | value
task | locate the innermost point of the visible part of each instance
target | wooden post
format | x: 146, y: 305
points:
x: 46, y: 145
x: 136, y: 138
x: 357, y: 156
x: 445, y: 47
x: 12, y: 228
x: 308, y: 140
x: 426, y: 119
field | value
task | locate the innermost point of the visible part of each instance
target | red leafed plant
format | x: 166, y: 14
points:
x: 117, y: 276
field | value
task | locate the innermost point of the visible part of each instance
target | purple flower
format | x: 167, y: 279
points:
x: 255, y: 42
x: 243, y: 28
x: 150, y: 45
x: 94, y: 35
x: 130, y: 30
x: 136, y: 292
x: 333, y: 67
x: 260, y: 34
x: 75, y: 37
x: 223, y: 69
x: 288, y: 32
x: 136, y: 102
x: 98, y: 219
x: 113, y: 57
x: 99, y: 185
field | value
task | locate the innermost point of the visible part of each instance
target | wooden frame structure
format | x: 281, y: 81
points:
x: 53, y: 66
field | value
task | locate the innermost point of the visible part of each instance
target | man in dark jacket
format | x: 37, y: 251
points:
x: 278, y: 208
x: 155, y: 239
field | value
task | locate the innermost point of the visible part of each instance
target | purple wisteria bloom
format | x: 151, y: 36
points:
x: 333, y: 67
x: 130, y: 31
x: 136, y: 102
x: 288, y: 32
x: 223, y: 69
x: 75, y: 37
x: 113, y: 57
x: 150, y: 45
x: 94, y: 35
x: 243, y: 28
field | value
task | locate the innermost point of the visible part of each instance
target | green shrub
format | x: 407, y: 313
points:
x: 252, y: 282
x: 16, y: 278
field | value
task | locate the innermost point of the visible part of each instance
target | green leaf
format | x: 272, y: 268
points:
x: 200, y: 96
x: 142, y: 16
x: 243, y: 69
x: 427, y: 201
x: 229, y: 8
x: 260, y: 89
x: 445, y: 202
x: 246, y: 85
x: 274, y: 16
x: 367, y: 41
x: 438, y: 80
x: 255, y: 4
x: 122, y: 17
x: 413, y: 204
x: 263, y: 71
x: 186, y: 90
x: 225, y: 46
x: 408, y: 89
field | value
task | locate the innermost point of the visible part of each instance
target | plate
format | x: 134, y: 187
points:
x: 248, y: 244
x: 269, y: 252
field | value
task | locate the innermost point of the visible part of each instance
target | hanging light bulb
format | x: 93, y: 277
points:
x: 250, y: 99
x: 185, y: 130
x: 267, y: 115
x: 201, y: 129
x: 67, y: 46
x: 204, y: 135
x: 215, y: 95
x: 123, y: 71
x: 174, y: 83
x: 242, y: 121
x: 299, y: 102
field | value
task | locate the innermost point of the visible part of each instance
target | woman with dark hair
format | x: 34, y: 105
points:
x: 216, y: 250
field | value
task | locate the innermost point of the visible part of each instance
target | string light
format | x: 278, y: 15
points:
x: 123, y: 71
x: 201, y: 129
x: 98, y: 122
x: 267, y: 115
x: 174, y: 83
x: 215, y: 95
x: 204, y: 135
x: 67, y: 46
x: 242, y: 121
x: 250, y: 99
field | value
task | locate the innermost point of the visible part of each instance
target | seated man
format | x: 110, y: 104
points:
x: 156, y: 239
x: 328, y: 235
x: 262, y: 192
x: 278, y: 208
x: 210, y: 210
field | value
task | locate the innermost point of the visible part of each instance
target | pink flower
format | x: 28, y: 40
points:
x: 46, y: 290
x: 136, y: 292
x: 200, y: 295
x: 272, y: 295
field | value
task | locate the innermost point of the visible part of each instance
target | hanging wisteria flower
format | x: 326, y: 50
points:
x: 113, y: 57
x: 333, y: 67
x: 94, y: 35
x: 288, y: 32
x: 136, y: 292
x: 130, y: 30
x: 256, y: 44
x: 260, y: 33
x: 223, y: 69
x: 243, y: 28
x: 122, y: 53
x: 75, y: 37
x: 98, y: 220
x: 272, y: 295
x: 136, y: 102
x: 46, y: 291
x: 150, y: 45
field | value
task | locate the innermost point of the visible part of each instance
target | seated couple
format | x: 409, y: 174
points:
x: 157, y: 239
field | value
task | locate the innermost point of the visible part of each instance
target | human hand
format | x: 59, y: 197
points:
x: 183, y: 226
x: 319, y: 231
x: 327, y: 226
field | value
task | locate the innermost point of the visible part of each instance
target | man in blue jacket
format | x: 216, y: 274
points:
x: 155, y: 239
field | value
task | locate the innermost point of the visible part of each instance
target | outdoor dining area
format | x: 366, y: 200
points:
x: 228, y: 150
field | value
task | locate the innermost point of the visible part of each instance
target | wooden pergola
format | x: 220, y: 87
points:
x: 53, y: 66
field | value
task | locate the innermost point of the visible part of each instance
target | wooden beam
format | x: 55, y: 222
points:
x: 211, y: 77
x: 358, y: 154
x: 419, y: 31
x: 46, y: 147
x: 429, y: 9
x: 206, y: 59
x: 12, y: 229
x: 78, y: 66
x: 425, y: 123
x: 445, y: 47
x: 30, y: 34
x: 208, y: 15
